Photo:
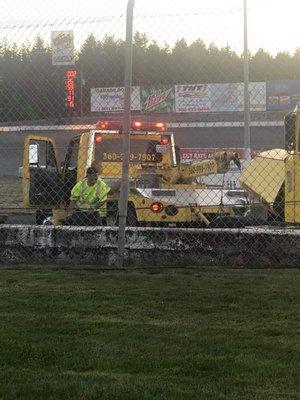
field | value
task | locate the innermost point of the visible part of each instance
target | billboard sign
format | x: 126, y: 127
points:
x: 283, y: 95
x: 111, y: 99
x: 219, y: 97
x: 192, y: 98
x: 62, y: 44
x: 224, y: 96
x: 157, y: 99
x: 230, y: 96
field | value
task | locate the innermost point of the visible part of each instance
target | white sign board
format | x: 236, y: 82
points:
x: 230, y: 96
x: 192, y: 98
x: 62, y: 43
x: 224, y: 96
x: 111, y: 99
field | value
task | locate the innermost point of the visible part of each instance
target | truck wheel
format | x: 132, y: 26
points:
x: 41, y: 215
x: 131, y: 216
x: 131, y: 219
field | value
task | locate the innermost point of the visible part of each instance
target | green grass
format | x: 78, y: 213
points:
x: 168, y: 334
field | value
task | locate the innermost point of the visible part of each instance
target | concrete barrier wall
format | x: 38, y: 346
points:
x: 149, y: 247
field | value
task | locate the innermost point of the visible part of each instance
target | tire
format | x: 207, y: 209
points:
x: 131, y: 219
x: 131, y: 216
x: 41, y: 215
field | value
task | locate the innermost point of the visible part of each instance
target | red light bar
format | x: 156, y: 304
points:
x: 98, y: 138
x: 102, y: 125
x: 159, y: 126
x: 135, y: 125
x: 109, y: 125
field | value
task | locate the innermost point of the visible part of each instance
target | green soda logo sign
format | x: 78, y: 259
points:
x: 160, y: 99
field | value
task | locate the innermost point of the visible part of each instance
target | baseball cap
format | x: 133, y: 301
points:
x: 92, y: 171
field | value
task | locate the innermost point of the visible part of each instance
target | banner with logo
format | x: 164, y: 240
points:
x: 283, y: 95
x: 157, y: 99
x: 219, y: 97
x: 62, y: 44
x: 224, y: 96
x: 192, y: 98
x: 230, y: 96
x: 213, y: 97
x: 111, y: 99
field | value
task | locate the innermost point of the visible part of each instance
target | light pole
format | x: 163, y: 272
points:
x: 247, y: 145
x: 126, y: 134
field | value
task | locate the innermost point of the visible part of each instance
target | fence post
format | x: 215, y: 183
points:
x: 126, y: 134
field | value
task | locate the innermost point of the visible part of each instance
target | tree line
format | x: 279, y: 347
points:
x: 32, y: 88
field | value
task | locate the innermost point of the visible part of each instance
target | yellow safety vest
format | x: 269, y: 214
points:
x: 87, y: 197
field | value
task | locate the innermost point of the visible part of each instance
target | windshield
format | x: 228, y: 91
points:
x: 141, y: 150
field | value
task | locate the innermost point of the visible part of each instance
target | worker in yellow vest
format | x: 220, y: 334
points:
x: 89, y: 200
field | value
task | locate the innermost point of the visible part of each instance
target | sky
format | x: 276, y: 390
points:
x: 272, y: 24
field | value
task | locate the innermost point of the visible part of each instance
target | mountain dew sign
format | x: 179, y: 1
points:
x: 157, y: 99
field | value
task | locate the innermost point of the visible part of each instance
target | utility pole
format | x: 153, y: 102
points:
x: 247, y: 143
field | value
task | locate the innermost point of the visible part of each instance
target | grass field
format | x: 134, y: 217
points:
x: 162, y: 334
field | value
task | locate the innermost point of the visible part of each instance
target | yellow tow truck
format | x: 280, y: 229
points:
x: 273, y: 176
x: 162, y: 190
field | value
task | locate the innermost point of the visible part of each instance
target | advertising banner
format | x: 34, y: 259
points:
x: 224, y: 96
x: 230, y: 96
x: 192, y: 98
x: 62, y: 44
x: 157, y: 99
x: 219, y: 97
x: 283, y: 95
x: 111, y: 99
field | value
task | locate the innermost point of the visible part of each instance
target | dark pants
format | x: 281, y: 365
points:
x: 85, y: 218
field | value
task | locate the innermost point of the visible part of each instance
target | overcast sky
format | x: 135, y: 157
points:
x: 273, y: 24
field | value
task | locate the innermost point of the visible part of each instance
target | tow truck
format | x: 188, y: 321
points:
x: 162, y: 190
x: 273, y: 176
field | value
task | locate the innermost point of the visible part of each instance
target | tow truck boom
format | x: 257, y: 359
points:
x: 187, y: 173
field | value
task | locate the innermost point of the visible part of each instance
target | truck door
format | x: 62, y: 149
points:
x: 41, y: 175
x: 71, y: 165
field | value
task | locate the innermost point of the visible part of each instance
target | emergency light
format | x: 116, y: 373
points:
x: 98, y: 138
x: 159, y: 126
x: 164, y: 140
x: 135, y: 125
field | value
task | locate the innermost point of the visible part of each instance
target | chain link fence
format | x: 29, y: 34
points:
x: 192, y: 163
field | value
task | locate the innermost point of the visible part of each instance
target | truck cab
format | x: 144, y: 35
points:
x: 47, y: 181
